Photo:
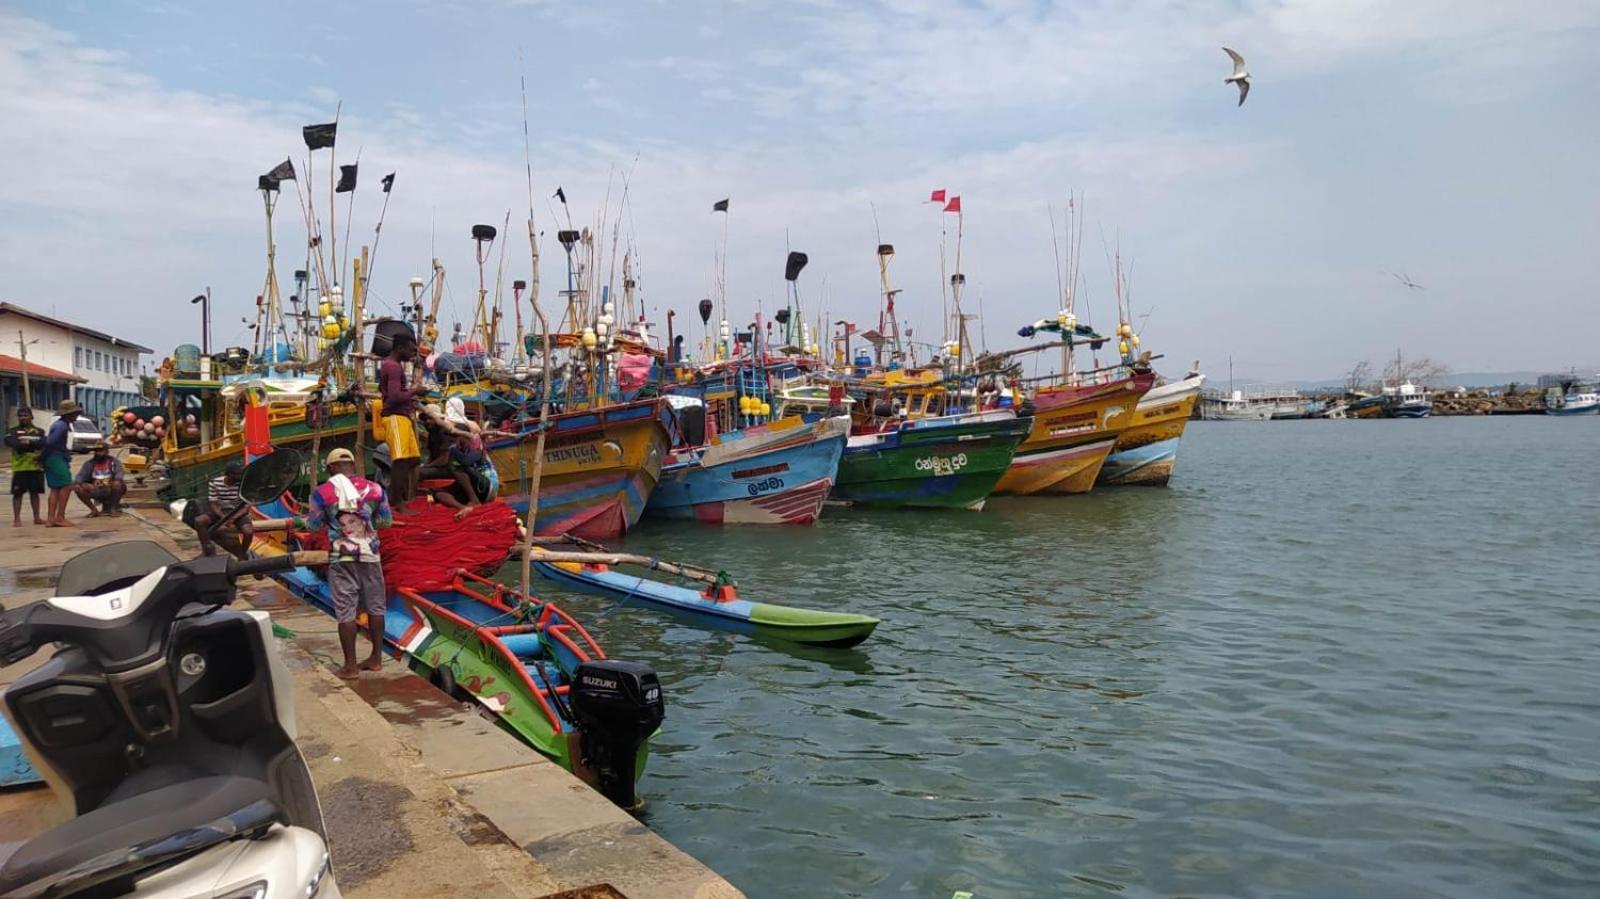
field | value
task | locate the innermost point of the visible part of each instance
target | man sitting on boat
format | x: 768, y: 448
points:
x: 223, y: 500
x: 352, y: 509
x: 100, y: 480
x: 462, y: 474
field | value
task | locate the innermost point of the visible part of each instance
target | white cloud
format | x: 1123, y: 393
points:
x: 141, y: 191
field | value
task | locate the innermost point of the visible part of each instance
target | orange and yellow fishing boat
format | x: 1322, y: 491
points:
x: 1075, y: 427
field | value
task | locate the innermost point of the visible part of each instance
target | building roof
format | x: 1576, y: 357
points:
x: 76, y: 329
x: 11, y: 365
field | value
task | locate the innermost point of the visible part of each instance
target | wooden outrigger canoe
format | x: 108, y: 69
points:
x: 719, y: 605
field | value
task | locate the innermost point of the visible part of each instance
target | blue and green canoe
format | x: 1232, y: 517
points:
x: 718, y: 605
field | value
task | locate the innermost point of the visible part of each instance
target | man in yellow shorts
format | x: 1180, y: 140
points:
x: 399, y: 411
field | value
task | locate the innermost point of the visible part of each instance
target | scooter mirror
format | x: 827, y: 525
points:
x: 267, y: 477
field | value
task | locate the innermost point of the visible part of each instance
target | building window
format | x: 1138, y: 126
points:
x: 77, y: 357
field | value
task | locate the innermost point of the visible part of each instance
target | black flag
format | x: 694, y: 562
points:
x: 347, y: 179
x: 388, y: 182
x: 561, y: 195
x: 319, y: 136
x: 283, y: 171
x: 720, y: 206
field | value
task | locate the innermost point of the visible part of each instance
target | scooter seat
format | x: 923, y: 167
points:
x: 127, y: 823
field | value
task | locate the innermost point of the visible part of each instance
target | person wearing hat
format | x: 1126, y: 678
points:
x: 101, y: 480
x: 54, y: 457
x: 352, y: 509
x: 222, y: 500
x: 27, y: 475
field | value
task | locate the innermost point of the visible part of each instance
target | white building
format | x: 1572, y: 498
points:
x: 106, y: 368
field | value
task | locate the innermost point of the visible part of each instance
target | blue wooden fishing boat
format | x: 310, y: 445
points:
x: 718, y: 605
x: 775, y: 473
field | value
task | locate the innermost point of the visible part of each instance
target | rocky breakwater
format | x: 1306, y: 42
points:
x: 1513, y: 400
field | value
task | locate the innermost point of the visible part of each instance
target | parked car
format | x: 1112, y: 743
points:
x: 85, y: 434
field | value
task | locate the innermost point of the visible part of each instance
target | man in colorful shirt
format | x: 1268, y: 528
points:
x: 101, y: 480
x: 27, y: 474
x: 352, y: 509
x: 55, y: 456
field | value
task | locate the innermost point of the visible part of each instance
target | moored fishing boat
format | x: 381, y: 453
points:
x: 1074, y: 429
x: 943, y: 462
x: 1406, y: 400
x: 1147, y: 450
x: 774, y: 473
x: 717, y: 605
x: 1575, y: 401
x: 599, y: 469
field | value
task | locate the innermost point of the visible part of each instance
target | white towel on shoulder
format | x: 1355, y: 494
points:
x: 345, y: 490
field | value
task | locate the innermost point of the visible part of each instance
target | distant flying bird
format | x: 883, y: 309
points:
x: 1240, y: 75
x: 1406, y: 280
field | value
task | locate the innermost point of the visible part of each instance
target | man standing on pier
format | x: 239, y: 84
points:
x: 27, y: 474
x: 399, y: 412
x: 353, y: 508
x: 55, y: 457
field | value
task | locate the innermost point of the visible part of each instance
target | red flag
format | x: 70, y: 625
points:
x: 954, y: 205
x: 938, y: 196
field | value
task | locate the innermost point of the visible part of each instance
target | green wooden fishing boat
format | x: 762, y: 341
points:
x: 945, y: 462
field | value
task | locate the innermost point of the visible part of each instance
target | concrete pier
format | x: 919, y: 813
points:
x: 422, y: 795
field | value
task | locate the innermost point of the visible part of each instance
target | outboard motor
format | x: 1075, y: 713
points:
x: 618, y: 706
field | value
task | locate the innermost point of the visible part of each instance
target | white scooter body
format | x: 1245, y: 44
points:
x: 182, y: 699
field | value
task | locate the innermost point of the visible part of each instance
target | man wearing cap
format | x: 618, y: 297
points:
x: 27, y: 475
x: 222, y: 499
x: 54, y: 457
x: 100, y: 480
x: 353, y: 508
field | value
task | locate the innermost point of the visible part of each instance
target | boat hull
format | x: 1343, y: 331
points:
x: 600, y: 467
x: 1575, y: 409
x: 758, y: 619
x: 1410, y: 412
x: 1146, y: 452
x: 778, y: 473
x: 1074, y: 429
x: 941, y: 463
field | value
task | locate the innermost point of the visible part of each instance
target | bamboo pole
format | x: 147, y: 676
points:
x: 359, y: 310
x: 615, y: 558
x: 530, y: 519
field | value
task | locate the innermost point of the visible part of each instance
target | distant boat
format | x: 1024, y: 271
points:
x: 1573, y: 402
x: 1266, y: 405
x: 1406, y: 401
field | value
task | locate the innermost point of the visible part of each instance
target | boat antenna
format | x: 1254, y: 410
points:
x: 536, y: 469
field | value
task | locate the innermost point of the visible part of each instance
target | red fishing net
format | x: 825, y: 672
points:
x: 427, y: 545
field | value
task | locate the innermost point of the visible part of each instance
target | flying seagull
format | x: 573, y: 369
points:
x: 1240, y: 75
x: 1405, y: 279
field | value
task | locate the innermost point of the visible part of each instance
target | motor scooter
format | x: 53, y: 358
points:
x: 168, y: 722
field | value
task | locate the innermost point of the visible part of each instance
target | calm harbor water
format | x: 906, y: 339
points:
x: 1333, y: 658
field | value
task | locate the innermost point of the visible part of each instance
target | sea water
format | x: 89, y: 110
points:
x: 1333, y: 658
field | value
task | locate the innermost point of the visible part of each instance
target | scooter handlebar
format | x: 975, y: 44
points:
x: 244, y: 567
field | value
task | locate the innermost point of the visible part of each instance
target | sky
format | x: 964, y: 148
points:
x: 1453, y: 141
